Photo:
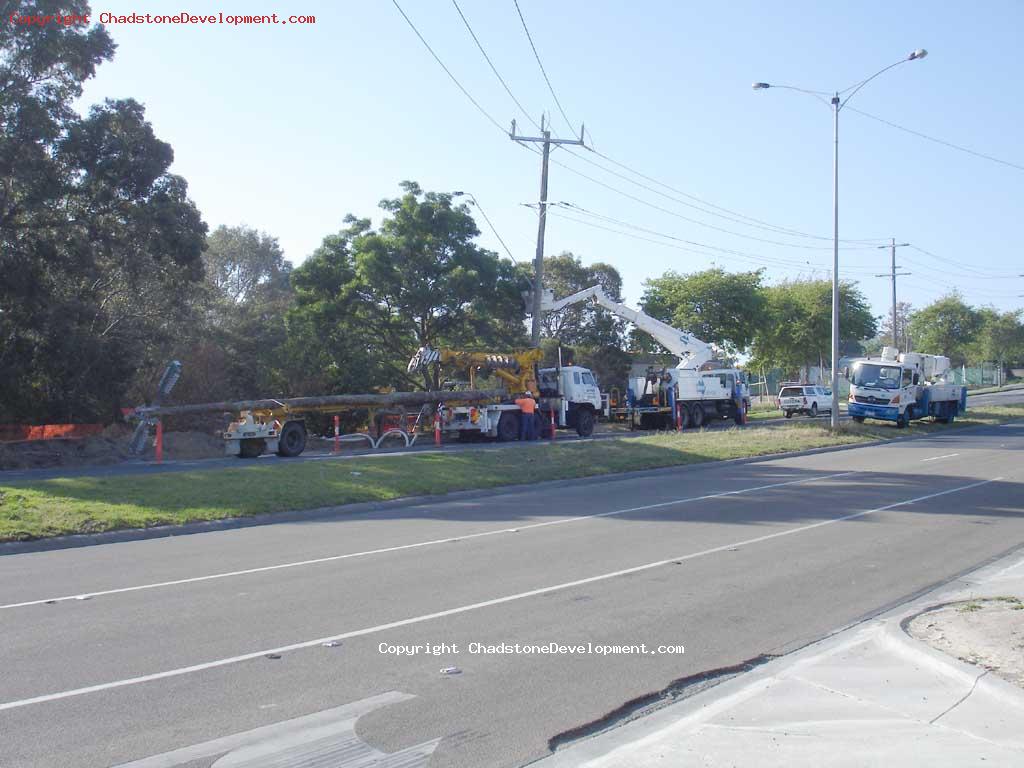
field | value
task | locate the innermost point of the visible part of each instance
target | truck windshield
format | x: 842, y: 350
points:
x: 879, y: 376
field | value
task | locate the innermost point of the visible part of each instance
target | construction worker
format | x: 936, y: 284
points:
x: 737, y: 396
x: 527, y: 407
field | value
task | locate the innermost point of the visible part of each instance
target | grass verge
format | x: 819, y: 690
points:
x: 30, y: 510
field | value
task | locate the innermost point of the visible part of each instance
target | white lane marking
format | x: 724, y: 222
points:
x: 472, y: 606
x: 943, y: 456
x: 418, y: 544
x: 321, y: 738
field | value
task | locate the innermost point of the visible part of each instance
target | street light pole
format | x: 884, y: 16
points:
x: 837, y: 104
x: 834, y: 410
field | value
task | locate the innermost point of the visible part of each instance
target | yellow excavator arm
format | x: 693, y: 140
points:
x: 516, y: 369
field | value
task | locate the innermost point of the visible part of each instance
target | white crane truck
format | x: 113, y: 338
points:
x: 902, y: 387
x: 687, y: 392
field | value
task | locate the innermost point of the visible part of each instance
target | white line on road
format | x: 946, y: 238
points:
x: 471, y: 607
x: 416, y: 545
x: 943, y: 456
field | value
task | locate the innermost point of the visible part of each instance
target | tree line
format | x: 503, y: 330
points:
x: 109, y: 272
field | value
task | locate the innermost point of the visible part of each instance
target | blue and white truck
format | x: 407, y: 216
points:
x: 901, y: 387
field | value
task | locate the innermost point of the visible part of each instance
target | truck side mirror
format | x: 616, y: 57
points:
x: 846, y: 372
x: 917, y: 378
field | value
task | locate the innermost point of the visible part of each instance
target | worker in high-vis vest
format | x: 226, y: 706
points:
x: 527, y: 407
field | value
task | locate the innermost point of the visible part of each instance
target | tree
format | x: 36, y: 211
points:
x: 579, y: 324
x: 367, y: 299
x: 718, y: 307
x: 796, y: 330
x: 99, y: 245
x: 948, y: 326
x: 1001, y: 338
x: 904, y: 310
x: 239, y: 260
x: 422, y: 281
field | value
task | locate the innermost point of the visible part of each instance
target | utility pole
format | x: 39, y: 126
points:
x: 538, y: 261
x: 893, y: 274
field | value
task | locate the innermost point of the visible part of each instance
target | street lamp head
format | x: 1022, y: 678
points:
x: 760, y: 86
x: 920, y: 53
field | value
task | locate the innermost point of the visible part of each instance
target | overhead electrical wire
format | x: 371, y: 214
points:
x: 965, y: 267
x: 726, y: 251
x: 540, y: 64
x: 738, y: 218
x: 493, y: 68
x: 943, y: 142
x: 702, y: 223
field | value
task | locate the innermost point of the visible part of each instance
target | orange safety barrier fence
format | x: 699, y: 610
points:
x: 16, y: 432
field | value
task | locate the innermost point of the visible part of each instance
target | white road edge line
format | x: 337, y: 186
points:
x: 416, y: 545
x: 943, y: 456
x: 471, y: 607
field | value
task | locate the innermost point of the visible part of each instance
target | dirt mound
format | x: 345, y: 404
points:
x: 189, y: 445
x: 37, y: 454
x: 109, y: 447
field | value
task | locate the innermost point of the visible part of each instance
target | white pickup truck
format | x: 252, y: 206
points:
x: 805, y: 398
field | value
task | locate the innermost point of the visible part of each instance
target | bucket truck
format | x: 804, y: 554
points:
x: 689, y: 393
x: 567, y: 395
x: 902, y: 387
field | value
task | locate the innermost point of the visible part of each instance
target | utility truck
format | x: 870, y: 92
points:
x: 567, y: 396
x: 689, y: 394
x: 901, y: 387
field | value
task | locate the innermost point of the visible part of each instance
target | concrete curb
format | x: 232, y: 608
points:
x: 885, y: 626
x: 72, y: 541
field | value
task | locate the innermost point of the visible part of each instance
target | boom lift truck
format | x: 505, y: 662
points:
x: 902, y: 387
x: 690, y: 391
x: 567, y: 395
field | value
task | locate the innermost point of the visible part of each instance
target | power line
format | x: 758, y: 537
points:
x: 491, y: 65
x: 944, y: 143
x: 536, y: 55
x: 976, y: 272
x: 754, y: 221
x: 737, y: 218
x: 726, y: 251
x: 455, y: 80
x: 447, y: 71
x: 697, y: 221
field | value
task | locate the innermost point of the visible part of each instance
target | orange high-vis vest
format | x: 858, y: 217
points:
x: 527, y: 404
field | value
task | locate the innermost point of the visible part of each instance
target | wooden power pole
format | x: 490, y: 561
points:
x: 538, y: 261
x: 893, y: 274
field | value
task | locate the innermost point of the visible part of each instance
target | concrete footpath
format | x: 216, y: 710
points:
x: 870, y: 695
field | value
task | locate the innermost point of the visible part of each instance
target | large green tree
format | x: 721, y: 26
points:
x: 719, y: 307
x: 948, y: 326
x: 417, y: 280
x: 796, y: 327
x: 99, y: 245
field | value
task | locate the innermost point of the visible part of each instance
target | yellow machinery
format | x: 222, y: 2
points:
x: 517, y: 370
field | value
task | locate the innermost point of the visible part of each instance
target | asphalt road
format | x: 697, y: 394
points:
x: 423, y: 444
x: 231, y: 669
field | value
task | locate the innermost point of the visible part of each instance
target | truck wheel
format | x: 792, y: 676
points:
x: 858, y: 419
x: 292, y: 441
x: 902, y: 421
x: 508, y: 427
x: 584, y: 423
x: 251, y: 447
x: 697, y: 417
x: 789, y: 414
x: 814, y: 411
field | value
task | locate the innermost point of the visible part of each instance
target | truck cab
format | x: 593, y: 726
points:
x: 573, y: 394
x: 903, y: 387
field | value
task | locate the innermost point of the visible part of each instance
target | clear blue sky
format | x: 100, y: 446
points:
x: 289, y: 128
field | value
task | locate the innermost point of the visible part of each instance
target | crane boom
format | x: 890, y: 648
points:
x: 691, y: 351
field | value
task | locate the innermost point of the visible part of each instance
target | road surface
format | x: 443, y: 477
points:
x: 255, y: 646
x: 424, y: 444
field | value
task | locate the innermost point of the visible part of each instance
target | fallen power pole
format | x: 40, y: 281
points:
x: 328, y: 401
